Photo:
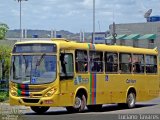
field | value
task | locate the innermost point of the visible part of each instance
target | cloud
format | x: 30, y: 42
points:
x: 46, y: 8
x: 74, y: 15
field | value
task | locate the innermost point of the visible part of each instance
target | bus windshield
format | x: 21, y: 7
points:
x: 33, y: 69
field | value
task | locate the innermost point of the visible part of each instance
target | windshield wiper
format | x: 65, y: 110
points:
x: 40, y: 60
x: 38, y: 63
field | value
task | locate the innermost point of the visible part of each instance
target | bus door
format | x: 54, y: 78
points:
x: 66, y: 72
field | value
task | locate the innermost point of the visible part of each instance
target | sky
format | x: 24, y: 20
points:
x: 74, y: 15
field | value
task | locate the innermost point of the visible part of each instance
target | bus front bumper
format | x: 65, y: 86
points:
x: 28, y: 101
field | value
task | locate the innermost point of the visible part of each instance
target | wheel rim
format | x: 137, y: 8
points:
x: 78, y: 102
x: 131, y: 100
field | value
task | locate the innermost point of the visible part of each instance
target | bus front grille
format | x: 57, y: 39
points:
x: 36, y: 89
x: 26, y: 100
x: 32, y: 89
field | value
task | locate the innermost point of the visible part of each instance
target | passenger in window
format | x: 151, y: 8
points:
x: 85, y: 62
x: 110, y: 58
x: 100, y: 65
x: 63, y: 63
x: 110, y: 63
x: 137, y: 67
x: 96, y: 67
x: 134, y: 68
x: 77, y: 65
x: 86, y: 67
x: 115, y: 61
x: 129, y: 66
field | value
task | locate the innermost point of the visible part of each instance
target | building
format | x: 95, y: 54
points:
x: 145, y: 35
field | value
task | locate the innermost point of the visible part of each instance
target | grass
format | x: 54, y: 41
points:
x: 3, y: 96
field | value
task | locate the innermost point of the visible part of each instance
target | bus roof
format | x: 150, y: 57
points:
x: 104, y: 47
x: 66, y: 44
x: 34, y: 41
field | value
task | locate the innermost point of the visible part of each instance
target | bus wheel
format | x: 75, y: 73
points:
x: 39, y: 110
x: 79, y: 104
x: 94, y: 107
x: 131, y: 100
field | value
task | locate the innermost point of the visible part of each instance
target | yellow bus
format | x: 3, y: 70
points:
x: 74, y: 75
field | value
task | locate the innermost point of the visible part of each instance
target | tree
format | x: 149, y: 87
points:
x: 5, y: 57
x: 3, y: 29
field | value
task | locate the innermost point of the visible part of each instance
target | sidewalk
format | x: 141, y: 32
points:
x: 4, y: 106
x: 8, y: 112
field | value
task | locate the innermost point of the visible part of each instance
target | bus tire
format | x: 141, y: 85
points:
x: 131, y: 100
x: 39, y: 110
x: 79, y: 105
x: 95, y: 108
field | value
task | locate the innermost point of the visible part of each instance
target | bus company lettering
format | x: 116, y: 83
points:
x: 80, y: 80
x: 130, y: 81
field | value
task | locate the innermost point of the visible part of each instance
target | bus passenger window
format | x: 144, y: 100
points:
x: 151, y: 63
x: 125, y: 63
x: 81, y: 59
x: 96, y: 61
x: 138, y: 63
x: 111, y: 62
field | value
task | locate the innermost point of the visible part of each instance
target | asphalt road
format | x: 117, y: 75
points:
x: 145, y: 111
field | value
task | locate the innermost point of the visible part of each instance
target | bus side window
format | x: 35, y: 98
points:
x: 125, y: 62
x: 138, y: 63
x: 151, y: 63
x: 96, y: 61
x: 81, y: 59
x: 111, y: 62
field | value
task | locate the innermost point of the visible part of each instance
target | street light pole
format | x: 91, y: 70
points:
x: 93, y: 34
x: 20, y: 18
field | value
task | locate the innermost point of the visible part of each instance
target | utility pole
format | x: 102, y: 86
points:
x: 93, y: 34
x: 20, y: 19
x: 114, y: 33
x: 80, y: 36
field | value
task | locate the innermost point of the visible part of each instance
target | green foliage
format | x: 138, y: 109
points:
x: 3, y: 29
x: 5, y: 56
x: 3, y: 96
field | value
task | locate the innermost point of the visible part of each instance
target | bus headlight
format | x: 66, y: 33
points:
x: 13, y: 92
x: 50, y: 92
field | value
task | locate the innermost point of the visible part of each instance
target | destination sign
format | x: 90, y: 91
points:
x: 34, y: 48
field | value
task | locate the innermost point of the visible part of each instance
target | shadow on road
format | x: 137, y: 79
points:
x: 109, y: 108
x: 106, y: 108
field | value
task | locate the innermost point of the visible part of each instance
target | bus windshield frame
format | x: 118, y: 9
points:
x: 33, y: 66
